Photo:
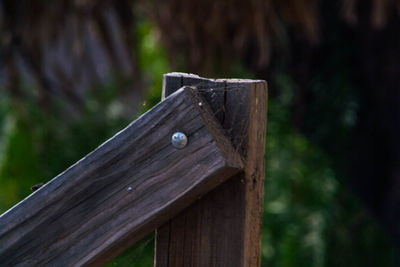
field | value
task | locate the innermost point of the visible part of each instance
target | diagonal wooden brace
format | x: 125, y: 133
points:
x: 123, y: 190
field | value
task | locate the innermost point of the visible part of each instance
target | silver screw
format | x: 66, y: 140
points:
x: 129, y: 188
x: 179, y: 140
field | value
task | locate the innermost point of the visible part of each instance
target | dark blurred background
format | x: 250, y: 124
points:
x: 73, y: 73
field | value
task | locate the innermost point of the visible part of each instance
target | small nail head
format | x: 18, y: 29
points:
x: 179, y: 140
x: 129, y: 188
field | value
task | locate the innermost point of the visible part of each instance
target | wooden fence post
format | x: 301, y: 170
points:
x: 223, y: 228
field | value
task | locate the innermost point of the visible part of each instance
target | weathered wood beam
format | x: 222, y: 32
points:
x: 224, y: 227
x: 123, y: 190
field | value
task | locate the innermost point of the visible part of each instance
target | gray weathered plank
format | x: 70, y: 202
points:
x: 123, y: 190
x: 223, y: 228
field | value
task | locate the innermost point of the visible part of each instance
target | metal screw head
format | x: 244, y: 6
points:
x: 179, y: 140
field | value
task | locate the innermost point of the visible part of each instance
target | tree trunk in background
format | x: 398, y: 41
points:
x: 375, y: 160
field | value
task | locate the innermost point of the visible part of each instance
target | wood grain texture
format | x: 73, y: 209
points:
x: 123, y: 190
x: 223, y: 228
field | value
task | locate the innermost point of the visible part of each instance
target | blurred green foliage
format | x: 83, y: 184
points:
x: 152, y: 61
x: 310, y: 219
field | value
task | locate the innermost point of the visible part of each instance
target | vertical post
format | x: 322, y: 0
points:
x: 223, y: 228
